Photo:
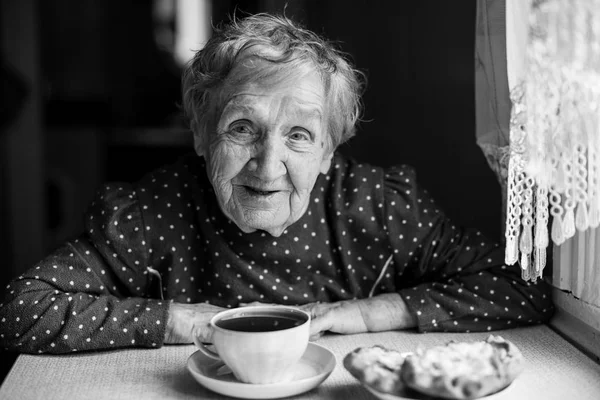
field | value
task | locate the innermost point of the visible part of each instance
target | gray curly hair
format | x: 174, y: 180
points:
x: 285, y: 46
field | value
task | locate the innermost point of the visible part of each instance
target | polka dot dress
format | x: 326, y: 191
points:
x: 367, y: 231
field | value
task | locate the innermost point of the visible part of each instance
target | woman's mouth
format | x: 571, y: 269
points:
x: 259, y: 192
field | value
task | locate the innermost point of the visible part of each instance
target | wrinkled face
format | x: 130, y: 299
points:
x: 269, y: 147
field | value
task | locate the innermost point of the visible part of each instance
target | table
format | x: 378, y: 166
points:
x: 555, y: 369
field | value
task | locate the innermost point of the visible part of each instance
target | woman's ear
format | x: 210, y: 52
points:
x: 199, y: 138
x: 326, y: 163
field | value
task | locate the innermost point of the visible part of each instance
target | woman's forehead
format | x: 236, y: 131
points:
x: 309, y: 108
x: 258, y: 68
x: 303, y: 87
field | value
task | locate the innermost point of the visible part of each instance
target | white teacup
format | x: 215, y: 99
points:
x: 260, y: 344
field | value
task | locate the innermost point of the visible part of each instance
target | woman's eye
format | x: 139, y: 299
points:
x: 300, y: 136
x: 241, y: 128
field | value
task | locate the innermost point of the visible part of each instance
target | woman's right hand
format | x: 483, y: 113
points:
x: 185, y: 320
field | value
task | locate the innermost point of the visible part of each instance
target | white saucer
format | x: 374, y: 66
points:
x: 314, y: 367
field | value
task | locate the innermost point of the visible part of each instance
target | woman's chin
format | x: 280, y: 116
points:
x: 261, y: 220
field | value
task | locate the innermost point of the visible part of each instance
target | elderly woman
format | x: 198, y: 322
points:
x: 265, y: 211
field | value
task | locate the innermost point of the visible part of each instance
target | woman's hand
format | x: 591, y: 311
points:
x: 184, y: 319
x: 340, y: 317
x: 379, y: 313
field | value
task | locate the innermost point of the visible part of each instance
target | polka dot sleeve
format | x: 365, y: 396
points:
x: 453, y: 279
x: 88, y: 297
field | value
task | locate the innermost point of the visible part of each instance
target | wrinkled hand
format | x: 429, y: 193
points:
x: 184, y: 319
x: 384, y: 312
x: 340, y: 317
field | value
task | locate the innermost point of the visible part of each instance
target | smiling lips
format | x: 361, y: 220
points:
x: 256, y: 191
x: 259, y: 192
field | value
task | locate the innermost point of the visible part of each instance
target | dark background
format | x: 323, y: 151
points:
x: 88, y: 97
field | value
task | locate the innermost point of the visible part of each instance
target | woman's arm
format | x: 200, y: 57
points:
x: 462, y: 284
x: 442, y: 277
x: 92, y: 293
x: 454, y: 279
x: 481, y: 297
x: 72, y: 301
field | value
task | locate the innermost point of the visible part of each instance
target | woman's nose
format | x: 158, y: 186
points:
x: 269, y: 162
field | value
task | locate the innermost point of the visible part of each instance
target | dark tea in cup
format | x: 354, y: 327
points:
x: 259, y: 323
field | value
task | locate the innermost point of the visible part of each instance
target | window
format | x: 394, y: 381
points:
x: 539, y: 60
x: 576, y: 279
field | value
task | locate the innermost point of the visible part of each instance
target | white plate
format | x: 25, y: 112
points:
x: 408, y: 394
x: 412, y: 395
x: 314, y: 367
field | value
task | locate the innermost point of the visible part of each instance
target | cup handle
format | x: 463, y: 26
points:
x: 205, y: 350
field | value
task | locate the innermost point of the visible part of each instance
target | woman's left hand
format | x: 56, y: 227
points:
x: 340, y: 317
x: 384, y: 312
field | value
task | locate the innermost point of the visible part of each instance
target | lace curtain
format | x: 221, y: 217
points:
x: 547, y: 151
x: 554, y: 165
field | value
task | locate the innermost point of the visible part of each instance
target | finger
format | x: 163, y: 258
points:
x: 314, y: 309
x: 320, y: 324
x: 202, y: 333
x: 309, y: 308
x: 305, y: 306
x: 315, y: 337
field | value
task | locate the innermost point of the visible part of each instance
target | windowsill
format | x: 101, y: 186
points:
x: 578, y: 322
